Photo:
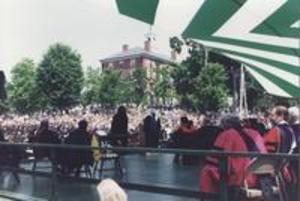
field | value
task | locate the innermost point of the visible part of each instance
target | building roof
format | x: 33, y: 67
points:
x: 137, y: 52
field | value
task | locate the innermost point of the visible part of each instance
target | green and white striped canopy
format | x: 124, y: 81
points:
x: 262, y: 34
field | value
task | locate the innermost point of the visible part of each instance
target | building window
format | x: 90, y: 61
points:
x: 132, y: 63
x: 121, y: 64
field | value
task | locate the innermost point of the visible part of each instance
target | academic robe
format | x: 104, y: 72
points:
x: 230, y: 140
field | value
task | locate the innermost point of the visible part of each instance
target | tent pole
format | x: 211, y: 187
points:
x: 241, y: 92
x: 243, y: 107
x: 298, y: 98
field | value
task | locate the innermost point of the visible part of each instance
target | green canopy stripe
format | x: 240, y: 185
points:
x: 289, y: 78
x: 264, y: 40
x: 263, y: 34
x: 142, y: 10
x: 268, y: 85
x: 280, y: 65
x: 281, y: 83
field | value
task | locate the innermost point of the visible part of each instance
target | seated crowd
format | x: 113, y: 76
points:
x: 277, y: 133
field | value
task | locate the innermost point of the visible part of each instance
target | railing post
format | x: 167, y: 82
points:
x: 53, y: 196
x: 298, y: 182
x: 223, y: 178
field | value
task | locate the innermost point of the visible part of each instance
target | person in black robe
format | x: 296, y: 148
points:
x: 151, y: 131
x: 45, y: 136
x: 10, y: 156
x: 206, y: 135
x: 78, y: 158
x: 119, y: 128
x: 2, y: 86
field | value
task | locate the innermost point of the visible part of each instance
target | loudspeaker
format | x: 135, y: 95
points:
x: 2, y: 86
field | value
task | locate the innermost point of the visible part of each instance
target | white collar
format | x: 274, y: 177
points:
x: 282, y: 122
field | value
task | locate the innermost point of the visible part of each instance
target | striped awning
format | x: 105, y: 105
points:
x: 262, y: 34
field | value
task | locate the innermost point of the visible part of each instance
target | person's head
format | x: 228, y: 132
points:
x: 82, y: 124
x: 279, y: 113
x: 153, y: 114
x: 293, y: 115
x: 109, y: 190
x: 121, y: 111
x: 2, y: 139
x: 44, y: 124
x: 207, y: 121
x: 184, y: 121
x: 231, y: 121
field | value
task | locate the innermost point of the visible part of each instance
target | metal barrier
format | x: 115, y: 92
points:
x: 223, y: 156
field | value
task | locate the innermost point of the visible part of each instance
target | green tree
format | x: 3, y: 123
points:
x: 211, y: 91
x: 196, y: 59
x: 163, y: 88
x: 92, y: 83
x: 137, y: 86
x: 110, y: 91
x: 60, y: 76
x: 108, y: 87
x: 23, y: 93
x: 184, y: 75
x: 176, y: 44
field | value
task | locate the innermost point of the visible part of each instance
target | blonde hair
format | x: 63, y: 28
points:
x: 109, y: 190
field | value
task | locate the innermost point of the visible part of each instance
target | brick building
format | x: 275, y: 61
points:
x: 129, y: 59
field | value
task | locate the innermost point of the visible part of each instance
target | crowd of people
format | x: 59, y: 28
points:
x: 273, y: 132
x: 81, y: 126
x: 18, y: 128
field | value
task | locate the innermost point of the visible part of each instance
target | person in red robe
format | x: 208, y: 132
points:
x: 234, y: 138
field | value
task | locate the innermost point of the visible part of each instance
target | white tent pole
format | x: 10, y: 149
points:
x: 297, y: 140
x: 241, y: 92
x: 243, y: 106
x: 245, y: 93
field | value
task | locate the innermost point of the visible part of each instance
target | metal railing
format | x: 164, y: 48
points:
x: 223, y: 156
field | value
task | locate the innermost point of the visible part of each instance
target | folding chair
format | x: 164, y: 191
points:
x: 110, y: 156
x: 269, y: 172
x: 106, y: 156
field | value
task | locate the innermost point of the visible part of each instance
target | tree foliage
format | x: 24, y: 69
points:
x: 211, y: 91
x: 91, y: 89
x: 163, y: 88
x: 176, y: 44
x: 199, y: 85
x: 110, y: 87
x: 185, y: 74
x: 23, y: 93
x: 60, y: 76
x: 137, y: 86
x: 105, y: 87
